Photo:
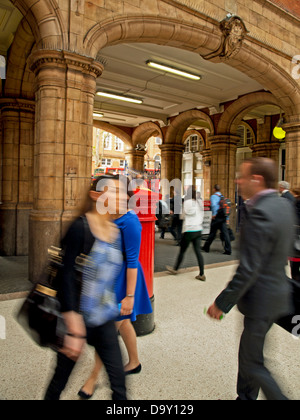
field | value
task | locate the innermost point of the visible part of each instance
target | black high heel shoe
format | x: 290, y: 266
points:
x: 135, y: 370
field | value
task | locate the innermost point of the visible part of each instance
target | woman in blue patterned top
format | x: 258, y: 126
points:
x: 90, y: 307
x: 131, y: 290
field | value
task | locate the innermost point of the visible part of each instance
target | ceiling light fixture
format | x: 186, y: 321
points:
x: 98, y: 115
x: 172, y: 70
x: 119, y: 97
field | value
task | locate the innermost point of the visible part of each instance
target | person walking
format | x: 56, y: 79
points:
x: 131, y: 291
x: 284, y: 191
x: 90, y: 307
x: 219, y: 222
x: 295, y: 256
x: 260, y: 286
x: 193, y: 214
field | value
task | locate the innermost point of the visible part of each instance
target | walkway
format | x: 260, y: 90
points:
x: 187, y: 357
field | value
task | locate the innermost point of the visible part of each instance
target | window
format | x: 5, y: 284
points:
x: 246, y: 135
x: 106, y: 162
x: 2, y: 67
x: 194, y: 144
x: 122, y: 163
x: 119, y: 145
x: 107, y: 141
x: 187, y: 146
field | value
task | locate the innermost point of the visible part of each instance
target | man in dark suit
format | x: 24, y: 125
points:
x: 284, y: 190
x: 260, y: 286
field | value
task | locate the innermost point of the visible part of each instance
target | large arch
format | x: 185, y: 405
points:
x: 232, y: 116
x: 115, y: 131
x: 19, y: 79
x: 144, y: 131
x: 201, y: 40
x: 180, y: 124
x: 46, y: 22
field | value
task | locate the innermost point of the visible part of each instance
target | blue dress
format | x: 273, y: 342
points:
x: 131, y: 230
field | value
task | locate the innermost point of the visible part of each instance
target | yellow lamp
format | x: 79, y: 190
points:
x: 279, y: 133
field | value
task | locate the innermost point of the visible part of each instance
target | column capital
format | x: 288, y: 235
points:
x: 223, y: 139
x: 47, y: 58
x: 171, y: 148
x: 292, y: 123
x: 15, y: 104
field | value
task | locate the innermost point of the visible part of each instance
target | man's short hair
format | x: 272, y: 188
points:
x: 217, y: 187
x: 266, y: 168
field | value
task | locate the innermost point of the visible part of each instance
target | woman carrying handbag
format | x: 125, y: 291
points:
x: 89, y: 309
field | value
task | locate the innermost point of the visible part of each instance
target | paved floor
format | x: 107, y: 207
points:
x: 14, y: 270
x: 187, y: 357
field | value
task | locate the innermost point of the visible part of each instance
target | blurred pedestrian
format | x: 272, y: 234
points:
x: 284, y: 190
x: 260, y: 286
x: 193, y: 214
x: 89, y: 309
x: 295, y: 257
x: 132, y: 294
x: 219, y: 222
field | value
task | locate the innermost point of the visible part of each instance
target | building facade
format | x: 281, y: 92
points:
x: 54, y: 63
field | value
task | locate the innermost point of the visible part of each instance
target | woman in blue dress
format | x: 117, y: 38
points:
x: 131, y: 292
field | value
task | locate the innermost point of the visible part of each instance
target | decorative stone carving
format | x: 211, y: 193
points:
x: 234, y: 32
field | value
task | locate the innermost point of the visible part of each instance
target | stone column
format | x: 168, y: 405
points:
x: 17, y: 117
x: 269, y: 150
x: 171, y: 163
x: 65, y: 85
x: 135, y: 159
x: 292, y: 128
x: 223, y: 166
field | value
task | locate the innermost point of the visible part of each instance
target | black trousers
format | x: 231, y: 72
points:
x: 187, y: 238
x: 218, y: 224
x: 253, y: 374
x: 105, y: 341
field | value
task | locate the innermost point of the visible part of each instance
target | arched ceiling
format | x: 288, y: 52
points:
x: 165, y: 95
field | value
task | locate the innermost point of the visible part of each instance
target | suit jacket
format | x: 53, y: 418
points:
x: 260, y: 286
x: 289, y: 196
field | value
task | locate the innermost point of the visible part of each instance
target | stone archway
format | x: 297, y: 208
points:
x: 232, y: 116
x: 116, y: 131
x: 199, y: 39
x: 180, y: 124
x: 144, y: 131
x: 46, y: 22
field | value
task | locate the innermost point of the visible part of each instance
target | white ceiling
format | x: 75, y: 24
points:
x: 10, y: 18
x: 163, y: 94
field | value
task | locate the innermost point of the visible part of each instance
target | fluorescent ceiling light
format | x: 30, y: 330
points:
x: 98, y: 114
x: 119, y: 97
x: 173, y: 70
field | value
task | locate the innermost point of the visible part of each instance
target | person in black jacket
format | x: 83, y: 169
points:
x: 89, y: 311
x: 260, y: 286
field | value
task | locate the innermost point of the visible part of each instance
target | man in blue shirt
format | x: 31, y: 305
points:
x: 218, y: 222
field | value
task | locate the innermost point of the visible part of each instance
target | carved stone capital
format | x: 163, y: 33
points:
x: 48, y: 58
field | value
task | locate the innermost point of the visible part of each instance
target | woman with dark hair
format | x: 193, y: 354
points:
x: 90, y: 307
x: 193, y: 214
x: 131, y: 289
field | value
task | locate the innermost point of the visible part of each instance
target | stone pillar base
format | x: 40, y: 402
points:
x: 44, y: 231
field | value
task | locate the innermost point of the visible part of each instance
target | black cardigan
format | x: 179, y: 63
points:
x: 79, y: 239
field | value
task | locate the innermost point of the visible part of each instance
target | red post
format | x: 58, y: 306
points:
x: 145, y: 209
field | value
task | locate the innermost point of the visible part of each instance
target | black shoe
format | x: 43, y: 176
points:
x: 205, y: 249
x: 135, y: 370
x: 226, y: 253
